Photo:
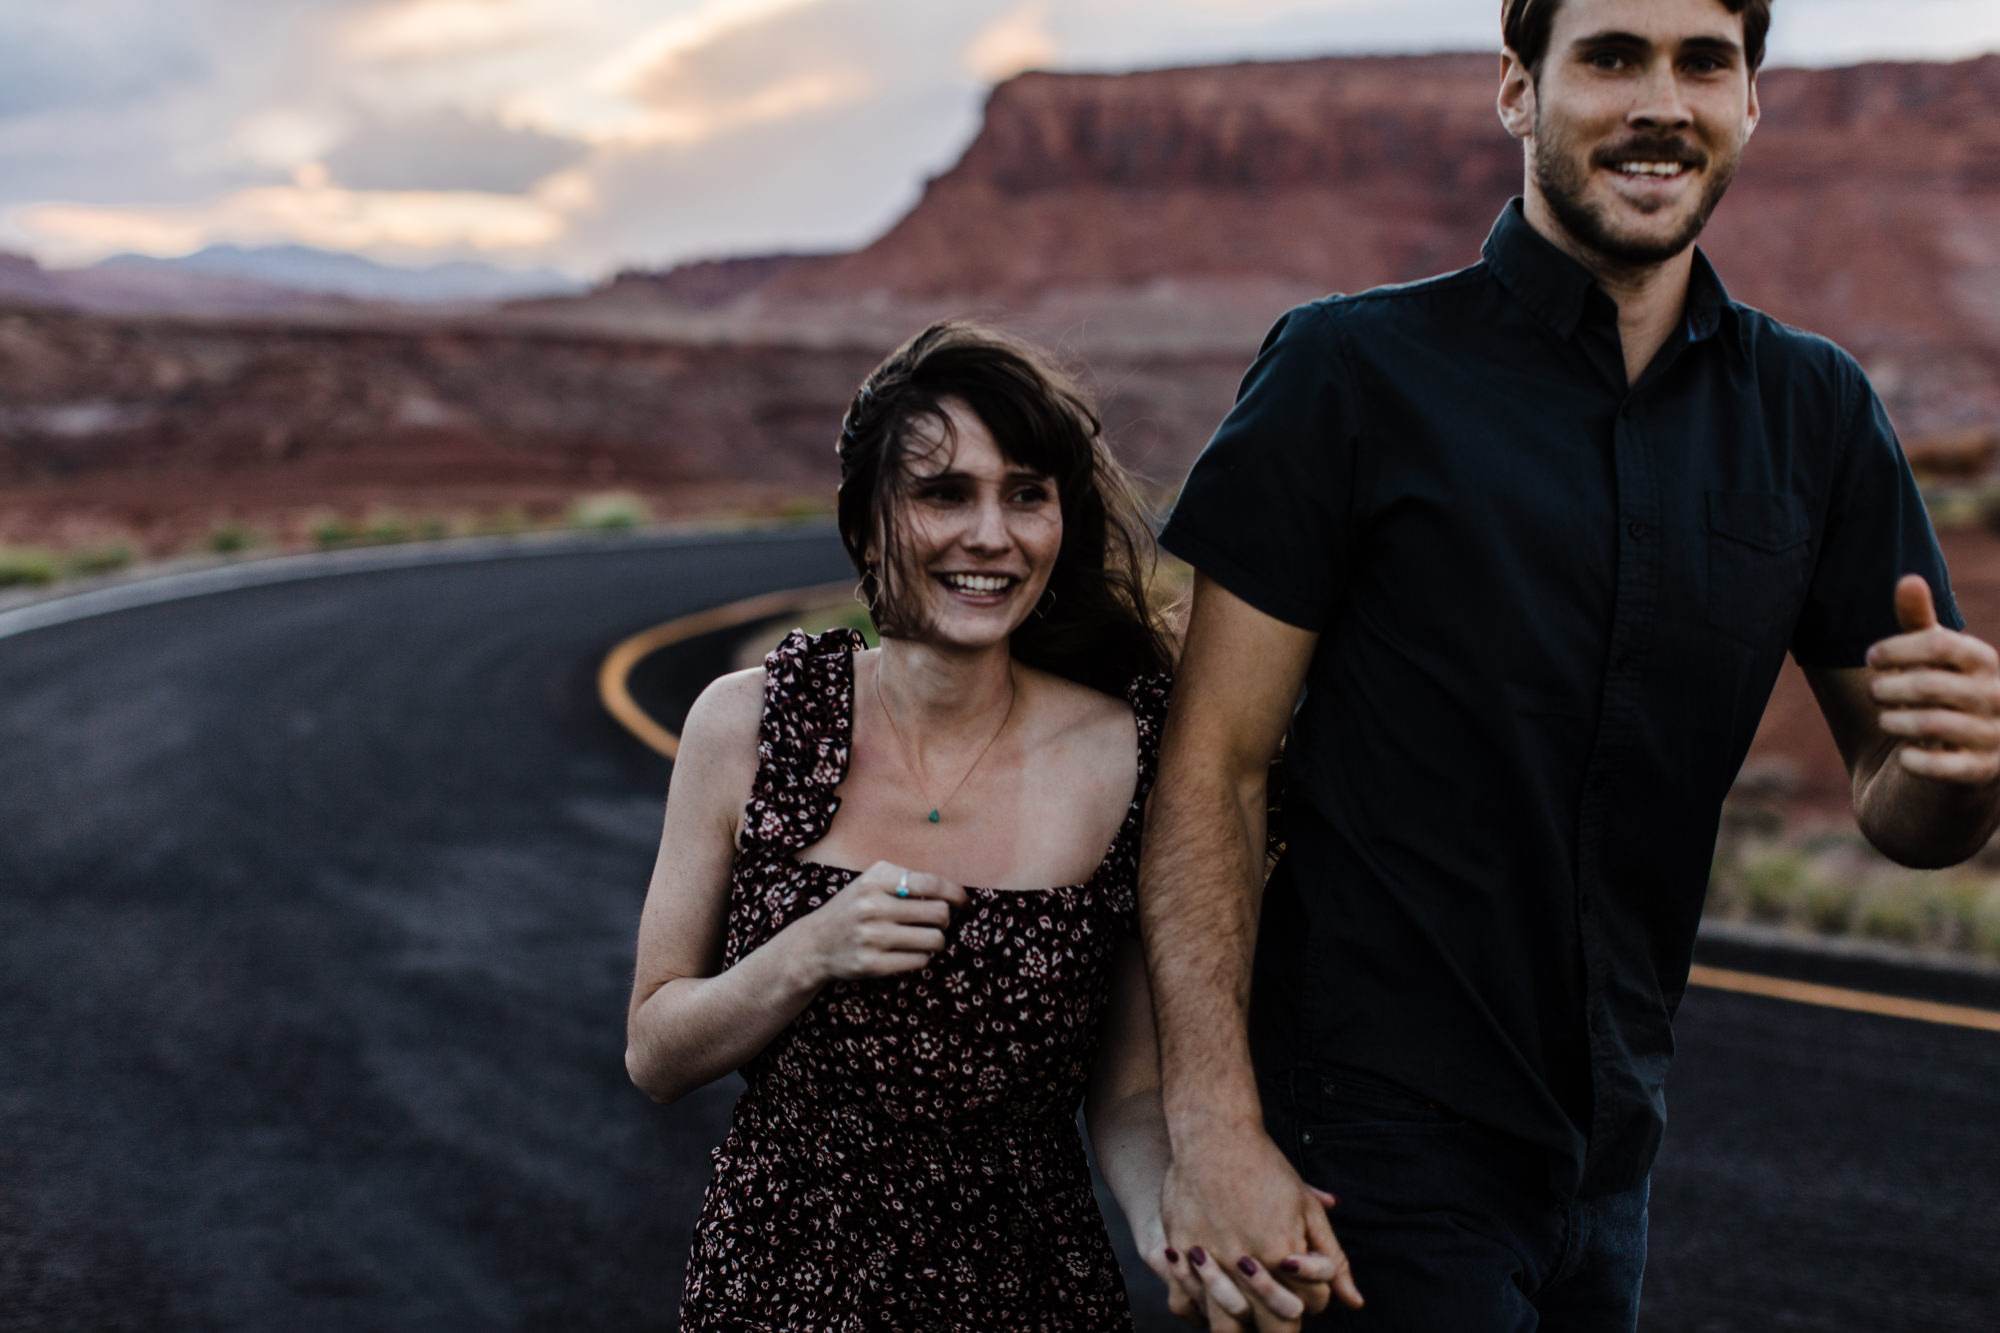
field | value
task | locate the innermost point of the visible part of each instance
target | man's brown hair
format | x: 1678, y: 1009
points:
x: 1525, y: 26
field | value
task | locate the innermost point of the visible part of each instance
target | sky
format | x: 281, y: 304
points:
x: 598, y: 134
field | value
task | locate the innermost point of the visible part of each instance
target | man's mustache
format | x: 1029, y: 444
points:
x: 1651, y: 148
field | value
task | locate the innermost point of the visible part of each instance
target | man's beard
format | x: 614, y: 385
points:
x: 1564, y: 181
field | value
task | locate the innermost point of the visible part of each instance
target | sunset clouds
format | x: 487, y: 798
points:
x: 591, y: 133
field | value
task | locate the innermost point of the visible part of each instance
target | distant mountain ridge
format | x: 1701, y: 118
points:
x: 273, y: 280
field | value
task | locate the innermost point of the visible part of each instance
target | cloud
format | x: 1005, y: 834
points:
x: 408, y: 224
x: 431, y: 29
x: 1018, y: 40
x: 596, y: 132
x: 448, y: 150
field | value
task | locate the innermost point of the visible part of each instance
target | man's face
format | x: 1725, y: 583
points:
x: 1636, y: 123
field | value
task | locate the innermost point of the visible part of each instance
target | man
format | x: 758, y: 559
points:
x: 1516, y: 556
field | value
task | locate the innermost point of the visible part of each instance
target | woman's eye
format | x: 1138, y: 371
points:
x: 1031, y: 495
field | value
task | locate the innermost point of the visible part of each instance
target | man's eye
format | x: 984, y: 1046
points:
x: 1608, y: 61
x: 1705, y: 65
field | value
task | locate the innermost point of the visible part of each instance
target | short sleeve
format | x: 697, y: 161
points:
x: 1264, y: 510
x: 1877, y: 530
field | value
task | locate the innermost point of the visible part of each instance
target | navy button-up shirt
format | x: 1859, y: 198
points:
x: 1551, y: 605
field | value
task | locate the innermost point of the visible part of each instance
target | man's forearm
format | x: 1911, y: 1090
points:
x: 1200, y: 889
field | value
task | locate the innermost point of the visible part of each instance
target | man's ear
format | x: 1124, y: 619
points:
x: 1756, y: 107
x: 1517, y: 96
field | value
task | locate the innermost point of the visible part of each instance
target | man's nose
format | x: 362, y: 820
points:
x: 1660, y: 104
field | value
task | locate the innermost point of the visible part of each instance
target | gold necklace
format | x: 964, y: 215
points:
x: 937, y: 811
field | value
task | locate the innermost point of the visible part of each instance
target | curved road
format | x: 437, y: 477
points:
x: 316, y: 913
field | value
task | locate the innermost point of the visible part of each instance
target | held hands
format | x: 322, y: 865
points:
x: 887, y: 920
x: 1939, y: 693
x: 1238, y: 1209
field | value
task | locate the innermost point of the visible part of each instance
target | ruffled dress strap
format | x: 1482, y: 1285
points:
x: 804, y: 740
x: 1148, y: 697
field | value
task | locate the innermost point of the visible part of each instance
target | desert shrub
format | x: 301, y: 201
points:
x: 230, y: 538
x: 1983, y: 925
x: 1892, y: 912
x: 1826, y: 903
x: 805, y: 508
x: 614, y: 511
x: 98, y: 559
x: 333, y: 531
x: 27, y: 568
x: 1770, y: 882
x: 501, y: 522
x: 385, y: 529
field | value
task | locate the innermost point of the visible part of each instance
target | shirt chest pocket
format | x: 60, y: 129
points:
x: 1757, y: 549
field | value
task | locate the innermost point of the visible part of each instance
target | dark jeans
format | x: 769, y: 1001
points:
x: 1452, y: 1228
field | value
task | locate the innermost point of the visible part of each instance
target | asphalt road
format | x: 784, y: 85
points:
x: 316, y: 915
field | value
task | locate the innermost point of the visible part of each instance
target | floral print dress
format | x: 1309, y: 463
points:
x: 906, y: 1156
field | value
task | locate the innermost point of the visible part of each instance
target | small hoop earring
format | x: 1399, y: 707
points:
x: 1046, y: 604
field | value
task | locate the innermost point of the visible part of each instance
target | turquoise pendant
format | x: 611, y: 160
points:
x: 935, y: 816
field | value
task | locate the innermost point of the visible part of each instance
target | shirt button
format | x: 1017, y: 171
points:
x: 1638, y: 531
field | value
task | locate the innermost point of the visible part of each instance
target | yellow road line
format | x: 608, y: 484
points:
x: 612, y: 691
x: 612, y: 676
x: 1833, y: 997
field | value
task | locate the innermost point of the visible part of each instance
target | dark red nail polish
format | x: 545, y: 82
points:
x: 1248, y: 1265
x: 1290, y: 1266
x: 1197, y: 1256
x: 1173, y: 1255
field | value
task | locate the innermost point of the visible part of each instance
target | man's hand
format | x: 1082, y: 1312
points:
x: 1252, y: 1235
x: 1939, y: 694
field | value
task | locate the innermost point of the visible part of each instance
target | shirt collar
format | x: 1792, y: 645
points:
x: 1555, y: 288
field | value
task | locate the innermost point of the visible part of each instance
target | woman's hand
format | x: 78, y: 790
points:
x: 1184, y: 1295
x: 887, y: 920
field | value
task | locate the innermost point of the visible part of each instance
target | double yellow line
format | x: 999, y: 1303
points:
x: 613, y: 690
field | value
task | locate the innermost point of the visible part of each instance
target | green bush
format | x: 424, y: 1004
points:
x: 501, y: 522
x: 25, y: 568
x: 1827, y: 904
x: 1984, y: 926
x: 99, y: 559
x: 1892, y: 913
x: 1771, y: 882
x: 385, y: 530
x: 231, y: 538
x: 615, y: 511
x: 333, y: 532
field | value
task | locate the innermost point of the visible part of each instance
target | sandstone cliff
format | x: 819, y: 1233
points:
x: 1187, y: 207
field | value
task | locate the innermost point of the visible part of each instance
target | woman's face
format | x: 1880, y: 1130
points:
x: 977, y: 535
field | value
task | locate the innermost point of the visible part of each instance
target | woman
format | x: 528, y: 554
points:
x: 906, y: 1154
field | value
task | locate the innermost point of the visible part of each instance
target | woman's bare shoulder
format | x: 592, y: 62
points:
x: 725, y: 717
x: 1078, y: 710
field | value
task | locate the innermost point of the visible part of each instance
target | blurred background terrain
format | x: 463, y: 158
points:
x: 1149, y: 225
